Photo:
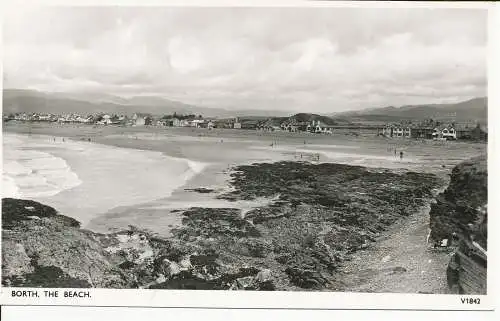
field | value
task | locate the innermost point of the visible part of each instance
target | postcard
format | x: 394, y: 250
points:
x: 287, y: 155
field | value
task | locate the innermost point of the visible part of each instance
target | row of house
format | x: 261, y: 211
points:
x: 144, y: 119
x: 423, y: 130
x: 137, y: 119
x: 66, y: 118
x: 293, y: 125
x: 436, y: 132
x: 195, y: 123
x: 271, y: 124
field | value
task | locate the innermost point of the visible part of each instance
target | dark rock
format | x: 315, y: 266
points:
x: 14, y: 211
x: 200, y: 190
x: 209, y: 222
x: 46, y: 277
x: 307, y: 279
x: 459, y: 205
x: 127, y: 265
x: 254, y: 247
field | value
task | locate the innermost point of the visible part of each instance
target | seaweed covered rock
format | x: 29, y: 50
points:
x: 15, y: 211
x: 43, y: 248
x: 319, y: 215
x: 210, y: 222
x: 460, y: 204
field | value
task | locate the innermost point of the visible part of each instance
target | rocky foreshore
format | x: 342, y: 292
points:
x: 459, y: 218
x: 462, y: 203
x: 320, y: 215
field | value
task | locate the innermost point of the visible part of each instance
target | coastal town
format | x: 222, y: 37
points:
x: 306, y: 123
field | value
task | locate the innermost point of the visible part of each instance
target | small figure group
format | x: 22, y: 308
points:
x: 400, y: 153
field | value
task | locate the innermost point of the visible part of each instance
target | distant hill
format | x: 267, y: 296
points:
x: 30, y: 101
x: 307, y: 117
x: 470, y: 110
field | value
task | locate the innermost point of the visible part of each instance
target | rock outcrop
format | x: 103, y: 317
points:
x: 460, y: 216
x: 460, y: 204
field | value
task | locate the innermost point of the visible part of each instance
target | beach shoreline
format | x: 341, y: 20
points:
x: 86, y: 159
x: 206, y: 174
x: 219, y: 152
x: 262, y: 209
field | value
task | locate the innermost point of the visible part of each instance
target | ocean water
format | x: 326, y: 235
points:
x: 30, y: 173
x: 85, y: 180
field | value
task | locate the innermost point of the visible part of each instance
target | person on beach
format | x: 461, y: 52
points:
x: 395, y: 151
x: 401, y: 155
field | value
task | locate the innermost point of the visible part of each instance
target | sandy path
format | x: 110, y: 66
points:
x: 399, y: 262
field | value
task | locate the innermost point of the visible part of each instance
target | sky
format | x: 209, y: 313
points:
x: 292, y: 59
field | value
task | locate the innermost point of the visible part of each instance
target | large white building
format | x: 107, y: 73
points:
x: 447, y: 132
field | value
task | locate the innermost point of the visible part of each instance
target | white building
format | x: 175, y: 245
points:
x: 237, y: 123
x: 317, y: 127
x: 141, y: 119
x: 396, y: 131
x: 447, y: 132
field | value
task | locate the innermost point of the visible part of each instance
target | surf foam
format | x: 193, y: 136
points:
x: 30, y: 173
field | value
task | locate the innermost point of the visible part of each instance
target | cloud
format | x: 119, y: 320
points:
x: 317, y: 59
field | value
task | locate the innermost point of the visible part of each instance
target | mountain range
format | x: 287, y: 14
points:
x: 475, y: 109
x: 30, y: 101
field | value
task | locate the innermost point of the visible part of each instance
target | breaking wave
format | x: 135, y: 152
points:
x: 30, y: 173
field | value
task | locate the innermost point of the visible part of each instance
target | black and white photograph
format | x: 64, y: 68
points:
x: 298, y: 149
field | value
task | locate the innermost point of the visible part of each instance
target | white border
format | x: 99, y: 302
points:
x: 257, y: 3
x: 106, y: 314
x: 493, y: 148
x: 256, y: 300
x: 299, y: 300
